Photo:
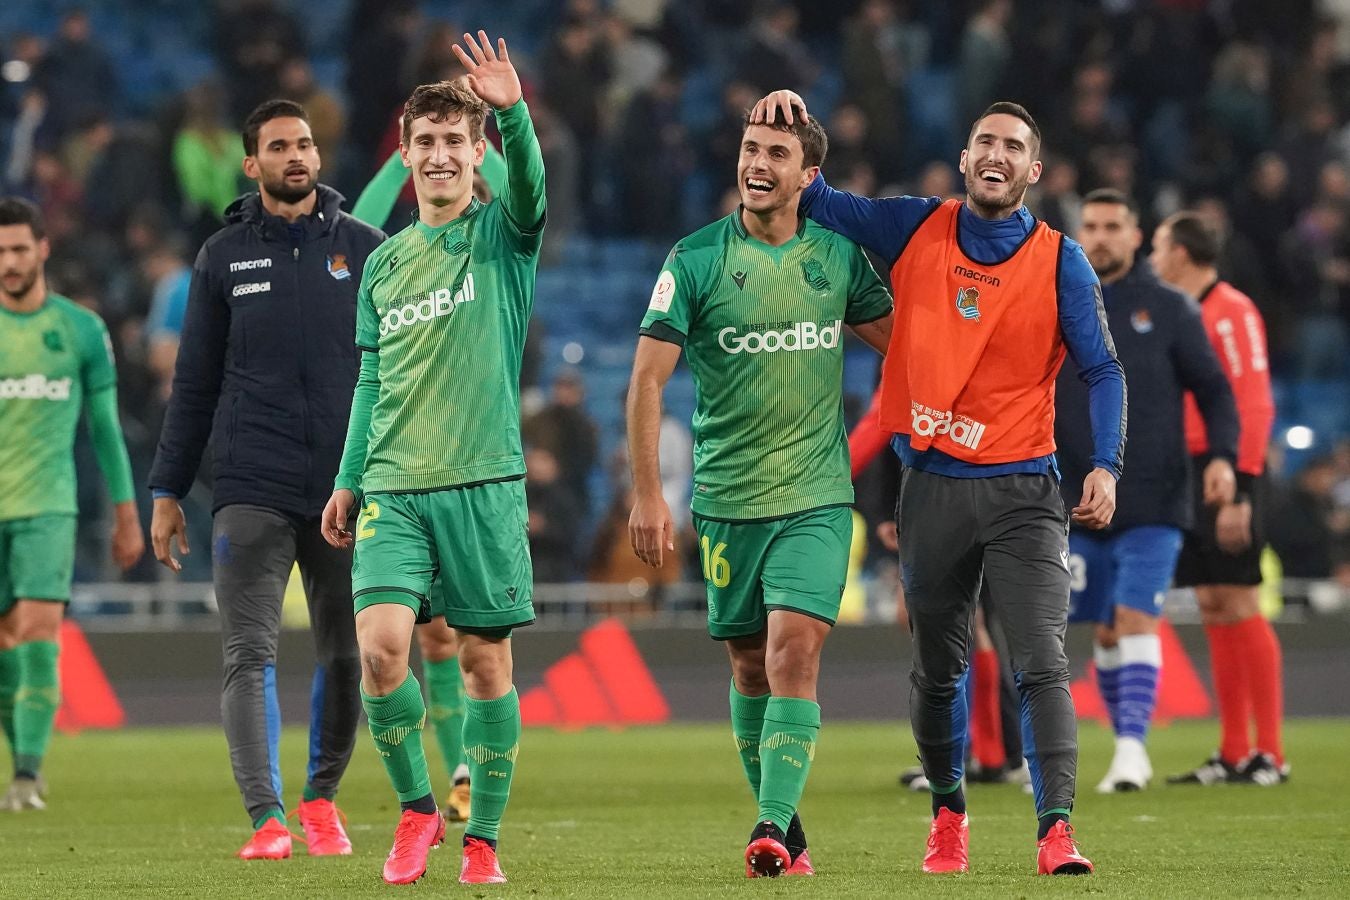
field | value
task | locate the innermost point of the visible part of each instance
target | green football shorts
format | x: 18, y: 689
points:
x: 798, y: 562
x: 471, y: 541
x: 37, y: 559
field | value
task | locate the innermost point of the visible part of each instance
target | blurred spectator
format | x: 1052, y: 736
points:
x: 378, y: 32
x: 435, y: 59
x: 206, y: 157
x: 876, y: 64
x: 76, y: 76
x: 636, y: 61
x: 169, y: 276
x: 1300, y: 527
x: 253, y: 40
x: 849, y: 128
x: 1238, y: 100
x: 1317, y: 263
x: 563, y: 163
x: 1307, y: 148
x: 326, y: 119
x: 939, y: 179
x: 1263, y: 211
x: 1056, y: 198
x: 982, y: 60
x: 552, y: 518
x: 775, y: 56
x: 723, y: 145
x: 653, y: 179
x: 564, y: 429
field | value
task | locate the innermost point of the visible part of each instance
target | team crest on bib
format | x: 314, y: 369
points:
x: 52, y: 341
x: 337, y: 267
x: 664, y: 292
x: 968, y: 303
x: 814, y: 275
x: 1141, y: 321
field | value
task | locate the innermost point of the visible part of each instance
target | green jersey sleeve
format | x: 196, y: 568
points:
x: 97, y: 369
x: 674, y: 303
x: 367, y: 322
x: 378, y: 197
x: 522, y: 193
x: 868, y: 299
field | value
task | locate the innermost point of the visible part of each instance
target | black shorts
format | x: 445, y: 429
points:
x: 1201, y: 561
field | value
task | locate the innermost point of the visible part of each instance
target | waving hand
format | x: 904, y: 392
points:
x: 491, y: 75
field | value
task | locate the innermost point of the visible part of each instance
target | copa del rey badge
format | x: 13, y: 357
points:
x: 664, y: 292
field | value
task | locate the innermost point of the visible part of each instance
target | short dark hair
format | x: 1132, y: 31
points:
x: 1017, y: 111
x: 815, y: 143
x: 265, y: 112
x: 1201, y: 240
x: 441, y: 101
x: 18, y: 211
x: 1114, y: 197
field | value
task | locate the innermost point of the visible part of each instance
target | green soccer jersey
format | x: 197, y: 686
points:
x: 50, y: 360
x: 446, y: 311
x: 761, y: 329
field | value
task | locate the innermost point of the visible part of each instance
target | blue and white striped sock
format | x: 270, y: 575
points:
x: 1106, y: 660
x: 1140, y: 663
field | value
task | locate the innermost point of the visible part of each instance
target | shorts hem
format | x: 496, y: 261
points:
x: 732, y: 632
x: 477, y: 620
x: 769, y: 607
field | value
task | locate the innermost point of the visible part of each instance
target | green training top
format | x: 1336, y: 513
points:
x: 761, y: 329
x: 53, y: 362
x: 441, y: 314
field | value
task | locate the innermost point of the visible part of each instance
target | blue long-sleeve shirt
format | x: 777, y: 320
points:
x: 885, y: 227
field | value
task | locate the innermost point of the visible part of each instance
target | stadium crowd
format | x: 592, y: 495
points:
x: 121, y: 120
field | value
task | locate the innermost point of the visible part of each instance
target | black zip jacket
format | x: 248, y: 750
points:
x: 267, y: 361
x: 1162, y: 345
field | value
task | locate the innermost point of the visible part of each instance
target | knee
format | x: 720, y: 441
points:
x: 384, y: 664
x: 487, y: 669
x: 750, y: 675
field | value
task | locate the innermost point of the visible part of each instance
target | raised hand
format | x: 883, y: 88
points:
x: 779, y: 103
x: 491, y: 75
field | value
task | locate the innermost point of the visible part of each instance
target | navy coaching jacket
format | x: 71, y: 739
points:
x: 1161, y: 343
x: 267, y: 361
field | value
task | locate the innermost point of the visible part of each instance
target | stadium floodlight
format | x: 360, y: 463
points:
x: 1299, y: 437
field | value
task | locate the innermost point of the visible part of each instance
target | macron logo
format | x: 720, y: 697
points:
x: 244, y: 265
x: 34, y: 387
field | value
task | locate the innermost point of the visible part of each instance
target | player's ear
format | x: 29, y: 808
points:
x: 403, y: 155
x: 479, y: 151
x: 809, y: 175
x: 961, y: 166
x: 1033, y: 176
x: 251, y: 170
x: 44, y: 250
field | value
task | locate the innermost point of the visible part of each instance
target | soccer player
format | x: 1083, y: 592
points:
x: 262, y: 366
x: 988, y: 302
x: 756, y: 302
x: 55, y: 363
x: 1221, y: 555
x: 1121, y: 573
x: 434, y: 446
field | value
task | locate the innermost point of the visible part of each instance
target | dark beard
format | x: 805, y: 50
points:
x: 1017, y: 190
x: 24, y: 287
x: 282, y: 192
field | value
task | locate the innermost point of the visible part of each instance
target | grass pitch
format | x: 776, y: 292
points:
x: 664, y: 812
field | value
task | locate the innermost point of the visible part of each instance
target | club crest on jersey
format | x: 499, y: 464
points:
x: 814, y: 275
x: 968, y: 303
x: 337, y: 267
x: 53, y: 342
x: 1141, y: 321
x: 455, y: 243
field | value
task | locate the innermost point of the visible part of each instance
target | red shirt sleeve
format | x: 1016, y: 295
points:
x: 867, y: 439
x: 1238, y: 335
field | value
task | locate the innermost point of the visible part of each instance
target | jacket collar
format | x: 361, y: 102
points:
x: 249, y: 209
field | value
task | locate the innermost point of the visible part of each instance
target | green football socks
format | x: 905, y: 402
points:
x: 35, y: 703
x: 445, y: 708
x: 396, y: 723
x: 9, y: 684
x: 491, y: 743
x: 786, y: 746
x: 747, y: 724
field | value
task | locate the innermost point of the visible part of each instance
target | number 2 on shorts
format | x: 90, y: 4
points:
x: 363, y: 527
x: 716, y: 568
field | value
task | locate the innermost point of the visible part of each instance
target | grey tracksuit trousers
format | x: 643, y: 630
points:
x: 253, y: 551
